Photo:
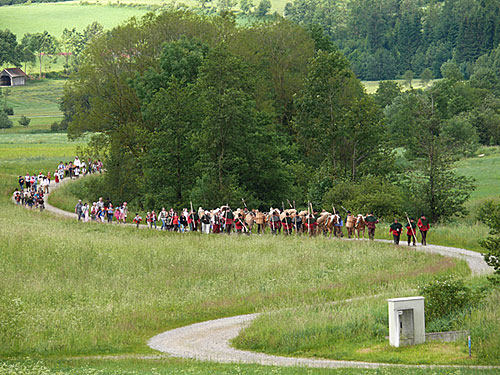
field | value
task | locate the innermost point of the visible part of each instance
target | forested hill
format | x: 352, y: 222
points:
x: 385, y: 38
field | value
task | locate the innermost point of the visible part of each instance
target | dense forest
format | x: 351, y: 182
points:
x: 385, y: 38
x: 186, y: 108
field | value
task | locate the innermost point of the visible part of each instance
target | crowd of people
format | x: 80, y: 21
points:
x: 243, y: 221
x: 32, y: 189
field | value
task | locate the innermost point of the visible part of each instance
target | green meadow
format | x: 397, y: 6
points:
x: 69, y: 290
x: 55, y: 17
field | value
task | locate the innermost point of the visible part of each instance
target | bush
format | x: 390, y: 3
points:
x: 24, y: 121
x: 485, y: 210
x: 371, y: 194
x: 4, y: 121
x: 54, y: 127
x: 9, y: 111
x: 446, y: 297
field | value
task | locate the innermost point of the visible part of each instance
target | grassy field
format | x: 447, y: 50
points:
x: 357, y: 331
x: 55, y: 17
x: 486, y: 172
x: 172, y: 366
x: 372, y: 86
x: 37, y: 98
x: 73, y: 289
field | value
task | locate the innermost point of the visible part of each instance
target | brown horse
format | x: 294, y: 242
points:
x: 360, y: 225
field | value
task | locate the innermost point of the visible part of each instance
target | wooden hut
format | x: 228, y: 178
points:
x: 13, y: 77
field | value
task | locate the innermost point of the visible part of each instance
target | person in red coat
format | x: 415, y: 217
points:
x: 238, y: 224
x: 411, y: 231
x: 423, y: 226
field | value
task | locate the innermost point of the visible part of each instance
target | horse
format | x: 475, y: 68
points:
x: 360, y: 225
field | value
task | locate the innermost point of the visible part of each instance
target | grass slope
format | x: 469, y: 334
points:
x: 357, y: 331
x: 55, y: 17
x: 37, y: 98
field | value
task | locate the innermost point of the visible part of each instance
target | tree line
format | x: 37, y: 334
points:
x: 185, y: 107
x: 385, y: 38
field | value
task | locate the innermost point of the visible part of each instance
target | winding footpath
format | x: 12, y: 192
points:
x: 210, y: 340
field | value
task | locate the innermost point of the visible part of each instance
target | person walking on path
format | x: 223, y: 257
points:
x: 78, y: 209
x: 371, y: 222
x: 110, y: 213
x: 205, y: 223
x: 350, y: 222
x: 411, y: 232
x: 423, y: 226
x: 395, y: 229
x: 137, y: 220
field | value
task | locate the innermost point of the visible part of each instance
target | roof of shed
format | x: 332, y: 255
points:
x: 14, y: 72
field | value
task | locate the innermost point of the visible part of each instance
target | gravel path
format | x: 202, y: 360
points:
x: 209, y: 341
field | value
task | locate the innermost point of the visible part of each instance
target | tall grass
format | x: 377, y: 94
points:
x: 179, y: 367
x: 357, y: 330
x: 71, y: 288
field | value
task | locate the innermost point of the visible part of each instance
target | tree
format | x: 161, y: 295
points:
x: 26, y: 55
x: 24, y: 121
x: 246, y: 6
x: 426, y: 76
x: 433, y: 186
x: 337, y: 124
x: 386, y: 92
x: 263, y: 8
x: 9, y: 48
x: 41, y: 44
x: 408, y: 78
x: 5, y: 122
x: 492, y: 242
x: 68, y: 42
x: 451, y: 71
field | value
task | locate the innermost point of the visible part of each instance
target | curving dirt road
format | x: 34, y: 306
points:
x: 210, y: 341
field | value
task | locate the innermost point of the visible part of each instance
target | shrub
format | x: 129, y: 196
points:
x: 371, y: 194
x: 447, y: 297
x: 9, y: 111
x: 485, y: 210
x: 4, y: 121
x: 54, y: 127
x: 24, y: 121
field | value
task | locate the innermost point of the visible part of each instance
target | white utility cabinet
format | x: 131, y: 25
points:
x: 406, y: 321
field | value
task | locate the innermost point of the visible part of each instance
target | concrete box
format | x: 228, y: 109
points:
x: 406, y: 321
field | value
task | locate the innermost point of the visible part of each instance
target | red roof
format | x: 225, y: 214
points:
x: 14, y: 72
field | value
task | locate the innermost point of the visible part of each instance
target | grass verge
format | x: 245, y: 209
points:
x: 357, y: 331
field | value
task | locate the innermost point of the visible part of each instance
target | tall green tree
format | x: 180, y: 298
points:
x: 337, y: 123
x: 9, y: 48
x: 41, y: 44
x: 432, y: 184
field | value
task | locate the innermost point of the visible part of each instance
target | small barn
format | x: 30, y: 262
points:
x: 13, y: 77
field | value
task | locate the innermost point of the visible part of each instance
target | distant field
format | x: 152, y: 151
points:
x: 486, y: 171
x: 372, y: 86
x: 55, y: 17
x: 38, y: 98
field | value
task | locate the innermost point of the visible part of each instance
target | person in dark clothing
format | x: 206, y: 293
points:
x: 228, y: 220
x: 297, y: 222
x: 371, y: 220
x: 287, y: 224
x: 395, y: 229
x: 411, y: 231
